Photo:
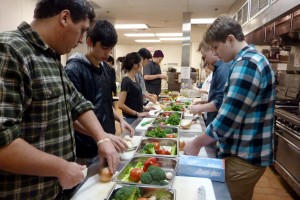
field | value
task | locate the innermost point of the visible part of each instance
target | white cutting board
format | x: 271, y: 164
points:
x: 128, y: 155
x: 195, y: 128
x: 143, y: 128
x: 186, y: 187
x: 94, y: 189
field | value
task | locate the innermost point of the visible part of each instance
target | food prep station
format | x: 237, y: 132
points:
x: 178, y: 187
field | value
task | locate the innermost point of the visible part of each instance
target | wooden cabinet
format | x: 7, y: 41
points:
x: 296, y: 21
x: 283, y: 25
x: 258, y: 37
x: 269, y: 33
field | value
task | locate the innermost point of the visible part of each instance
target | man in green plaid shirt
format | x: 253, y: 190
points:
x: 38, y: 104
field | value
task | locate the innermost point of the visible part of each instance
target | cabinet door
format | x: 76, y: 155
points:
x: 296, y: 21
x: 269, y: 33
x: 258, y: 37
x: 283, y: 25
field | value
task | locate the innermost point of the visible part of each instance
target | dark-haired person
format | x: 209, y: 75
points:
x: 152, y: 73
x: 244, y: 124
x: 220, y: 71
x: 131, y: 95
x: 146, y: 57
x: 111, y: 61
x: 91, y: 76
x: 38, y: 104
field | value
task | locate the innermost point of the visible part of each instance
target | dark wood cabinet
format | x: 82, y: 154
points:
x: 258, y: 37
x: 269, y: 33
x: 283, y: 25
x: 296, y: 21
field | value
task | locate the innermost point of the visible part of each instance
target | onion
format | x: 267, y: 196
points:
x: 181, y: 145
x: 105, y: 175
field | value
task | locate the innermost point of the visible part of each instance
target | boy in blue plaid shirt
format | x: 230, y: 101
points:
x: 244, y: 124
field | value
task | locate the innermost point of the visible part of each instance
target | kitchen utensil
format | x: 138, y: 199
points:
x: 147, y: 122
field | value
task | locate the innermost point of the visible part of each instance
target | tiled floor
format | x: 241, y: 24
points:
x: 272, y: 187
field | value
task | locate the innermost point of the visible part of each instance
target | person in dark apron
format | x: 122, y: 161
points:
x: 152, y: 73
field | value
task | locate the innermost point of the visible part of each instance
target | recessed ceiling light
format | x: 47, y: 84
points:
x: 147, y: 41
x: 168, y: 34
x: 171, y: 39
x: 131, y: 26
x: 139, y: 34
x: 202, y: 21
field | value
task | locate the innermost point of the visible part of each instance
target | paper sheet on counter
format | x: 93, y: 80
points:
x: 186, y: 187
x: 94, y: 189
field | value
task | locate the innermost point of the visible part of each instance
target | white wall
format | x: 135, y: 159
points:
x: 13, y: 12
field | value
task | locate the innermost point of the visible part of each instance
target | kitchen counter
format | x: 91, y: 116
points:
x: 220, y: 189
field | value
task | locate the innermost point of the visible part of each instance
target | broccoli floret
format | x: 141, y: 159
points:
x: 146, y: 178
x: 127, y: 193
x: 157, y: 173
x: 148, y: 149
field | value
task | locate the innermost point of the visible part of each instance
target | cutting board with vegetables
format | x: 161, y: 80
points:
x: 187, y: 188
x: 144, y: 124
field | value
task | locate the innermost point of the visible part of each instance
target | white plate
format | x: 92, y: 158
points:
x: 128, y: 155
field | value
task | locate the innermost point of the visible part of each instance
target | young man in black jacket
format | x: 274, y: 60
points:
x: 92, y: 78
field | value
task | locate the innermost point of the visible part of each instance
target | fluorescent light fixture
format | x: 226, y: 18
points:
x: 171, y: 39
x: 153, y: 41
x: 202, y: 21
x: 131, y: 26
x: 168, y: 34
x: 139, y: 34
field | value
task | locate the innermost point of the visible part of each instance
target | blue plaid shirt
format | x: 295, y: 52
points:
x: 244, y: 124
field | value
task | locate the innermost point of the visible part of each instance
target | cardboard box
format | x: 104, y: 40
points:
x: 195, y: 166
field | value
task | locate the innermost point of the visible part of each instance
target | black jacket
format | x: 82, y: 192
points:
x: 94, y: 84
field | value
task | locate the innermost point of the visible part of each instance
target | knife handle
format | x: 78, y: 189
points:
x: 200, y: 194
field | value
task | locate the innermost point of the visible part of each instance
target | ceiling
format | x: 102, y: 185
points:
x: 162, y: 16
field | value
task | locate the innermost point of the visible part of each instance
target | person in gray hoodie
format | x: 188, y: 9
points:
x: 92, y: 77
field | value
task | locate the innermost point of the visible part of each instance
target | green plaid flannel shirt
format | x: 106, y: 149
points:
x: 38, y: 104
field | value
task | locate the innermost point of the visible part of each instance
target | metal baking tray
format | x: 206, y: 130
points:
x: 163, y: 113
x: 160, y: 118
x: 172, y: 128
x: 162, y: 142
x: 167, y: 164
x: 146, y: 191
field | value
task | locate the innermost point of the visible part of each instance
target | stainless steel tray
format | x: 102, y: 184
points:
x: 161, y: 114
x: 167, y: 164
x: 146, y: 191
x: 173, y: 130
x: 162, y: 141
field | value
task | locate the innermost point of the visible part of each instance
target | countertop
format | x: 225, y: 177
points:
x: 220, y: 189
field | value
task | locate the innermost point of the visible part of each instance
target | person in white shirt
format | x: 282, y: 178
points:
x: 206, y: 84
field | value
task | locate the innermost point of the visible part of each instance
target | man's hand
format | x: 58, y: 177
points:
x: 195, y: 109
x: 108, y: 151
x: 162, y: 76
x: 192, y: 148
x: 124, y: 125
x: 71, y: 175
x: 118, y: 143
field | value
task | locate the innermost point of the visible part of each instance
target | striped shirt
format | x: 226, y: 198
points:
x: 244, y: 124
x: 37, y: 104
